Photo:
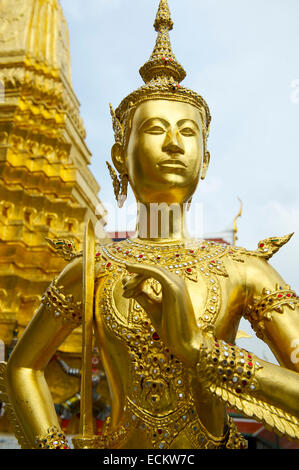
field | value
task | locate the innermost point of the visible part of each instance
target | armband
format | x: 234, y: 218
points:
x: 61, y: 305
x: 270, y: 301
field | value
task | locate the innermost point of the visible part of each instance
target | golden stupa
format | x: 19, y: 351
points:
x: 46, y: 187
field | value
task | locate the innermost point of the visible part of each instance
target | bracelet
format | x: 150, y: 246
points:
x: 61, y: 305
x: 54, y: 439
x: 227, y: 366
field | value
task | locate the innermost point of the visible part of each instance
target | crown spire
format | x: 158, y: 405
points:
x: 162, y: 62
x: 162, y: 75
x: 163, y: 18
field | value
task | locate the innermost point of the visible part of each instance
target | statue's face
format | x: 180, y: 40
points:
x: 164, y: 156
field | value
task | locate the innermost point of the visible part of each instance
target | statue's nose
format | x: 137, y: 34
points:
x: 173, y: 143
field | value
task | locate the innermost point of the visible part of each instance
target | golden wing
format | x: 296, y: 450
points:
x: 17, y: 428
x: 274, y: 418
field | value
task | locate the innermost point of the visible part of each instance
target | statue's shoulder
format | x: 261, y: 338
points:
x: 66, y: 249
x: 70, y: 278
x: 73, y: 271
x: 265, y: 249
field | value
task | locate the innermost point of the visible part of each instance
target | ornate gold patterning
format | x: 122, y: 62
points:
x: 166, y: 308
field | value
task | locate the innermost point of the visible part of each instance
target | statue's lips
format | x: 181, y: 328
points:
x: 172, y: 164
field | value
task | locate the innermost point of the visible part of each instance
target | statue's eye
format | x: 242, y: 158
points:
x: 187, y: 132
x: 156, y: 130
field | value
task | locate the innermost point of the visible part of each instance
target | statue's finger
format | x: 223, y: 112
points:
x: 130, y: 282
x: 149, y: 270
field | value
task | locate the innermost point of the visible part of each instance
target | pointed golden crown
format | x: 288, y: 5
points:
x: 162, y: 75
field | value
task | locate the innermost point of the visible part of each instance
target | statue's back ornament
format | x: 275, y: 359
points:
x: 166, y: 310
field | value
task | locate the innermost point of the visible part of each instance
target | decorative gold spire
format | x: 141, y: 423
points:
x: 163, y: 18
x: 162, y: 75
x: 162, y: 62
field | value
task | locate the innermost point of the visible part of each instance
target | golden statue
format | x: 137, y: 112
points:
x: 165, y: 308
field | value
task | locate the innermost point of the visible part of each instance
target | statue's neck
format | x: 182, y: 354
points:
x: 161, y: 222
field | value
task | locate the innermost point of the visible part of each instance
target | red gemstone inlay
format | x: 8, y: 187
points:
x: 262, y: 245
x: 279, y: 296
x: 159, y: 431
x: 98, y: 254
x: 155, y: 336
x: 140, y: 256
x: 108, y: 265
x: 250, y: 364
x: 189, y: 270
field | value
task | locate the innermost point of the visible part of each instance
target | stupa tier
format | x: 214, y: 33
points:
x: 46, y: 187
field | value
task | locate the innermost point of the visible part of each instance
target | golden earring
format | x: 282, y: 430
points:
x: 123, y: 190
x: 120, y: 186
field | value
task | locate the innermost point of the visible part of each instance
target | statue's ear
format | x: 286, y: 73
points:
x: 205, y: 165
x: 118, y: 158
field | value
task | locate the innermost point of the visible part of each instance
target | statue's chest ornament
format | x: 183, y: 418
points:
x: 198, y: 262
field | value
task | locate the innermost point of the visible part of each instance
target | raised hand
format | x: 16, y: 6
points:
x: 171, y: 311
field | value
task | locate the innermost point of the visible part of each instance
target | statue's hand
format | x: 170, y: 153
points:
x: 171, y: 312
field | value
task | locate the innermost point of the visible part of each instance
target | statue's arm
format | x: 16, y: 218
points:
x: 27, y: 389
x: 258, y: 389
x: 273, y: 311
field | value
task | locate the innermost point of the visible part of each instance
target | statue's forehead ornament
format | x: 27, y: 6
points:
x: 162, y: 75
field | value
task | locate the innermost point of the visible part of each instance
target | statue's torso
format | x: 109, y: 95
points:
x: 153, y: 395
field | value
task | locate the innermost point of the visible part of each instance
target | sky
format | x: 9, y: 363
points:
x: 242, y: 57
